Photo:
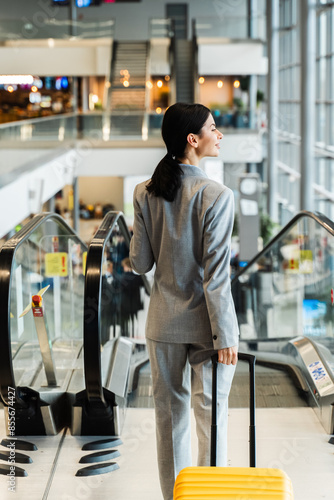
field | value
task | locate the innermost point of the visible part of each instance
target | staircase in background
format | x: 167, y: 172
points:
x: 130, y: 57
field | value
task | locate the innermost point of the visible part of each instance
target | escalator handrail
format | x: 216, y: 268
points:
x: 320, y: 218
x: 92, y: 302
x: 7, y: 255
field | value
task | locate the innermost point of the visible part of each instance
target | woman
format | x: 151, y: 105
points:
x: 183, y: 224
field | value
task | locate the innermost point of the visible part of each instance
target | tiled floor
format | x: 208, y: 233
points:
x: 291, y: 439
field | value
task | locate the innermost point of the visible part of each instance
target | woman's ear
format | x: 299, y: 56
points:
x: 192, y: 140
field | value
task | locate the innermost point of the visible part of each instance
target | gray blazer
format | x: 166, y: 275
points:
x: 189, y: 241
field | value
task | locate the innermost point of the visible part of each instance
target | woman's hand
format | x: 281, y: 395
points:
x: 228, y: 356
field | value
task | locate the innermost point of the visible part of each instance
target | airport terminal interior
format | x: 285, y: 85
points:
x: 84, y: 85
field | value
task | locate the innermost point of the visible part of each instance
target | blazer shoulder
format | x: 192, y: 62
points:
x: 140, y: 191
x: 214, y: 190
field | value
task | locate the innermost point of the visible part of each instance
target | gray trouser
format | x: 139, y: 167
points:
x: 173, y: 391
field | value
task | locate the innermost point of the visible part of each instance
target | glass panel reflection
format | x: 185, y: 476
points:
x: 123, y: 308
x: 50, y: 256
x: 288, y: 291
x: 123, y: 297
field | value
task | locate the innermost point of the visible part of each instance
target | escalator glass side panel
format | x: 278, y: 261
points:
x: 45, y: 253
x: 49, y: 257
x: 114, y: 317
x: 124, y: 305
x: 123, y: 292
x: 288, y: 290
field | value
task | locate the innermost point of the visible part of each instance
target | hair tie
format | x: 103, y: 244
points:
x: 170, y: 155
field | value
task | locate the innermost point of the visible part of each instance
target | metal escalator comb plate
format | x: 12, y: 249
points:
x: 19, y: 458
x: 7, y: 470
x: 99, y: 456
x: 102, y: 444
x: 18, y: 444
x: 93, y: 470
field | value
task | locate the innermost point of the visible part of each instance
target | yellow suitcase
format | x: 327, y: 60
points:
x: 227, y: 483
x: 233, y: 483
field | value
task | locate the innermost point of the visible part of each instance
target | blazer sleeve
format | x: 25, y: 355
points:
x: 141, y: 255
x: 218, y: 225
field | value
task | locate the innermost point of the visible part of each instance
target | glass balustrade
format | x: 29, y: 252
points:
x: 123, y: 296
x: 51, y: 128
x: 128, y: 125
x: 160, y: 28
x: 92, y: 126
x: 288, y: 290
x: 47, y: 257
x: 224, y: 25
x: 42, y: 25
x: 115, y: 308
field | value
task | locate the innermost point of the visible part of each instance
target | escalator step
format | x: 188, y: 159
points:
x: 19, y: 444
x: 102, y: 444
x: 19, y: 458
x: 94, y: 470
x: 8, y: 470
x: 99, y: 456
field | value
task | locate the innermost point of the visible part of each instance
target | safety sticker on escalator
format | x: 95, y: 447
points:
x: 56, y: 264
x: 306, y: 262
x: 301, y: 262
x: 319, y: 375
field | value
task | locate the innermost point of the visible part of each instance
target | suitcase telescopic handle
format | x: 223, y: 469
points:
x: 251, y: 359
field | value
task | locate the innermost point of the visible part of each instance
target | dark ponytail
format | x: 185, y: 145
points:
x: 179, y: 121
x: 166, y: 179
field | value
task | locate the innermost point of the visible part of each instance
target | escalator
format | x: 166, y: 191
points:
x: 284, y: 304
x: 110, y: 309
x: 94, y: 341
x: 46, y: 252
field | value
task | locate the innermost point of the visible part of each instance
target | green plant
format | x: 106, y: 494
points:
x: 238, y: 103
x: 267, y: 227
x: 244, y: 83
x: 259, y: 96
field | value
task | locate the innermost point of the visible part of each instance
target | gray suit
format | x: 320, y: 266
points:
x: 189, y: 241
x: 191, y: 312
